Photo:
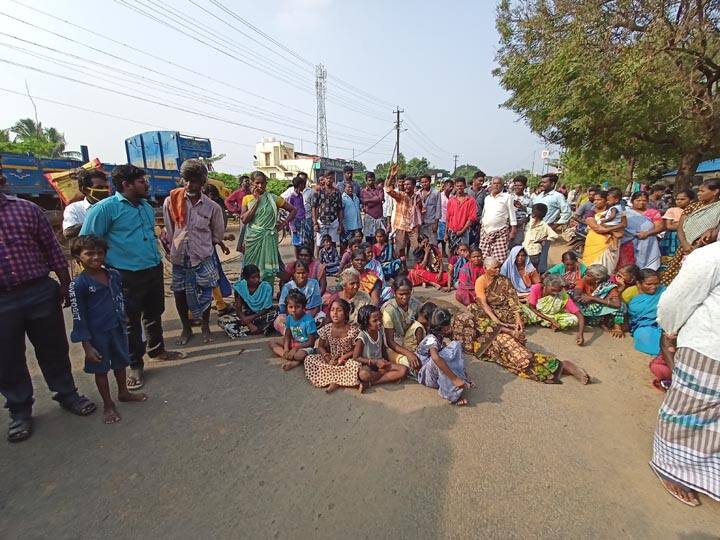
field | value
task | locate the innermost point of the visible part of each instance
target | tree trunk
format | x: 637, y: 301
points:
x: 630, y: 169
x: 686, y: 171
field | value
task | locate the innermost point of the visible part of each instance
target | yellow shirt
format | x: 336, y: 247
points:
x: 629, y: 293
x: 537, y: 232
x: 247, y: 199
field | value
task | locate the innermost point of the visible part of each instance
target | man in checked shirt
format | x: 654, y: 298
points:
x: 31, y: 303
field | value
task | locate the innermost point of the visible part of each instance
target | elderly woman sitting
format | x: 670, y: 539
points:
x: 549, y: 305
x: 599, y: 300
x: 493, y: 330
x: 349, y: 280
x: 520, y: 271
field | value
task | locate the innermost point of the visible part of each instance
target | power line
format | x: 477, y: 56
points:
x: 422, y: 134
x: 374, y: 145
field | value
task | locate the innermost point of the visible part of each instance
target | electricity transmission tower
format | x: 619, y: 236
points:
x: 321, y: 143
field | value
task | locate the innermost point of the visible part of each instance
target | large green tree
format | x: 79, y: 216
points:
x: 32, y: 137
x: 465, y: 171
x: 616, y: 79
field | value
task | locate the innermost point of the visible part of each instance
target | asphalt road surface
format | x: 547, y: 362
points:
x: 230, y: 446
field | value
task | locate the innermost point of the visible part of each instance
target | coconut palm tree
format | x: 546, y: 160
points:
x: 26, y: 129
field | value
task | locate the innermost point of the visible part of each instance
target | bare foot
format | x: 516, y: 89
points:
x: 207, y: 335
x: 132, y: 398
x: 576, y: 371
x: 185, y: 336
x: 361, y: 387
x: 461, y: 402
x: 617, y: 332
x: 331, y: 388
x: 110, y: 415
x: 290, y: 364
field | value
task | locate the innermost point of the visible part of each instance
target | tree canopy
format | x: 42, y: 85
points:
x: 615, y: 80
x: 32, y: 137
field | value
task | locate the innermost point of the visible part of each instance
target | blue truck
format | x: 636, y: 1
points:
x: 160, y: 153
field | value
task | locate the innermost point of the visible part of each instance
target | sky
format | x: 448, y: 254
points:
x: 215, y: 76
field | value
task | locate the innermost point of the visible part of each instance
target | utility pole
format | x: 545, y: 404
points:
x: 455, y: 156
x: 321, y: 142
x: 397, y: 112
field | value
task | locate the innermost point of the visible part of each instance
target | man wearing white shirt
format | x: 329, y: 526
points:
x: 686, y: 449
x: 93, y: 184
x: 498, y: 224
x: 559, y: 211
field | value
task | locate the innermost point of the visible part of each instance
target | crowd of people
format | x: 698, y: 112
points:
x: 346, y: 309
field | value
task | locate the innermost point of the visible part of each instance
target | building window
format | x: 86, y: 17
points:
x: 267, y: 158
x: 272, y: 175
x: 284, y: 156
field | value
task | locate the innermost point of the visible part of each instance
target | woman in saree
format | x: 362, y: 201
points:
x: 253, y: 301
x: 599, y: 300
x: 550, y: 305
x: 599, y: 247
x: 400, y: 324
x: 520, y: 271
x: 384, y: 254
x: 697, y: 226
x: 428, y: 270
x: 370, y: 280
x: 494, y: 331
x: 349, y: 280
x: 570, y: 269
x: 643, y: 226
x: 260, y: 217
x: 467, y: 276
x: 316, y: 270
x: 642, y: 313
x: 669, y: 243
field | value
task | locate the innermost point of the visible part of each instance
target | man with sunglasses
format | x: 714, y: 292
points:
x: 93, y: 184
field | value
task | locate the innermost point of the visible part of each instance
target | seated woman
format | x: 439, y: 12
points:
x: 349, y: 280
x: 570, y: 269
x: 253, y: 301
x: 550, y: 305
x: 599, y: 300
x: 346, y: 259
x: 309, y: 287
x: 428, y: 270
x: 333, y: 365
x: 520, y: 271
x: 642, y: 313
x: 626, y: 279
x: 493, y: 331
x: 316, y: 270
x: 468, y: 275
x: 370, y: 281
x: 386, y: 292
x: 384, y: 254
x: 400, y: 324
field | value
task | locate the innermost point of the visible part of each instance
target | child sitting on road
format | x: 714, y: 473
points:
x: 455, y: 263
x: 300, y: 332
x: 443, y: 366
x: 370, y: 350
x: 99, y: 322
x: 329, y: 256
x: 383, y: 252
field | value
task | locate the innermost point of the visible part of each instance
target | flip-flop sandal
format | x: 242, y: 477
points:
x: 135, y: 380
x: 169, y: 356
x: 82, y: 406
x: 20, y: 429
x: 663, y: 480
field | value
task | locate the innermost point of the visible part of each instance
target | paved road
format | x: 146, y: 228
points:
x: 229, y: 446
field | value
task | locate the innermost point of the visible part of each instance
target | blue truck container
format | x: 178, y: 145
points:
x: 160, y: 153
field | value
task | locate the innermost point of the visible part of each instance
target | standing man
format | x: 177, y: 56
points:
x: 351, y: 214
x: 499, y: 223
x: 585, y: 210
x: 461, y: 217
x: 522, y: 204
x: 348, y: 177
x: 372, y: 198
x: 127, y: 223
x: 407, y: 218
x: 430, y: 198
x: 31, y: 304
x: 234, y: 201
x: 327, y: 212
x: 558, y: 213
x: 478, y: 192
x: 445, y: 194
x: 656, y: 198
x: 94, y: 185
x: 194, y: 225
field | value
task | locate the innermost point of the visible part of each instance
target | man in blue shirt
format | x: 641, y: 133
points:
x: 351, y: 213
x: 127, y: 222
x: 559, y: 211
